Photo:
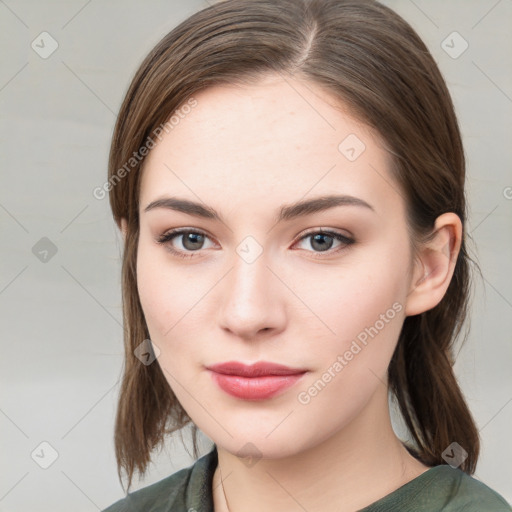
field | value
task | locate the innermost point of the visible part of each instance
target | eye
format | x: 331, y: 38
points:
x: 192, y: 240
x: 322, y: 241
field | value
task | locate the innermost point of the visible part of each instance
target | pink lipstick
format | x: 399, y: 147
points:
x: 258, y: 381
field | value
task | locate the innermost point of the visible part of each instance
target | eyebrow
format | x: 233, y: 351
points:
x: 285, y: 213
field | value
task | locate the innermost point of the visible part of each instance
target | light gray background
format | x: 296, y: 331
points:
x: 61, y: 318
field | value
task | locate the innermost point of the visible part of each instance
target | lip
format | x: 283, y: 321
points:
x: 259, y: 381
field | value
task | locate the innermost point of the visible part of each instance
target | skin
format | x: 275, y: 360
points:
x: 247, y: 151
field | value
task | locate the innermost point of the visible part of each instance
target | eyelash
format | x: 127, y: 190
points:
x: 168, y: 236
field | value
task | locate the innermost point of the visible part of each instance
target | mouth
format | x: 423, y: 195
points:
x: 259, y: 381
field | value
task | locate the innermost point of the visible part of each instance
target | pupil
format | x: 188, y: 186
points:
x: 192, y: 238
x: 322, y: 247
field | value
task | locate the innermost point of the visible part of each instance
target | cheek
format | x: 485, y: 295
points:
x: 172, y: 305
x: 364, y: 312
x: 152, y: 291
x: 164, y: 292
x: 353, y: 298
x: 353, y: 309
x: 351, y: 365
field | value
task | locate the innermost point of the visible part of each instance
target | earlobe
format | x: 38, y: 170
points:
x: 124, y: 228
x: 435, y: 265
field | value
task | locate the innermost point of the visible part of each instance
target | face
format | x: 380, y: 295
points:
x: 319, y: 289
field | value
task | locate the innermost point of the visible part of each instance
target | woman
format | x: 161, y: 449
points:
x: 289, y: 180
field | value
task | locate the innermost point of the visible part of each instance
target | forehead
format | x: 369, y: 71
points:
x: 279, y: 139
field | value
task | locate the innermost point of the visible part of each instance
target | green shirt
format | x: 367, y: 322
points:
x: 440, y: 488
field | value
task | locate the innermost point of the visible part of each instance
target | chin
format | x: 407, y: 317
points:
x: 254, y: 448
x: 257, y: 443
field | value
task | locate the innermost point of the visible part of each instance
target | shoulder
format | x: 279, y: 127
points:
x: 182, y: 490
x: 442, y: 488
x: 157, y: 496
x: 464, y: 493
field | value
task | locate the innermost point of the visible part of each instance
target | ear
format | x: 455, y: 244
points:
x: 124, y: 228
x: 434, y: 266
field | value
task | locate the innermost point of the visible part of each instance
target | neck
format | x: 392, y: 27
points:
x: 353, y: 468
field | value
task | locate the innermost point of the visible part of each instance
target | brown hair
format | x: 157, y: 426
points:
x: 367, y: 56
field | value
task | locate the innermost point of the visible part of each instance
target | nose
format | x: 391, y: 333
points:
x: 252, y: 300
